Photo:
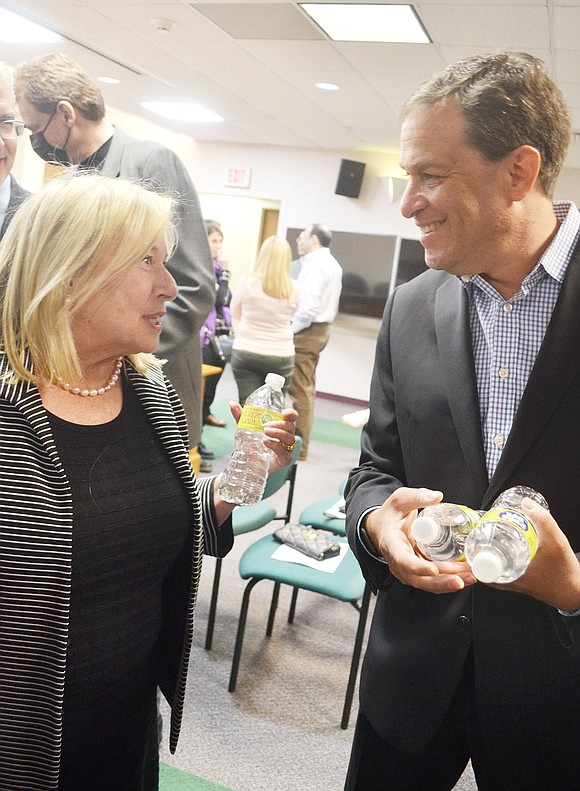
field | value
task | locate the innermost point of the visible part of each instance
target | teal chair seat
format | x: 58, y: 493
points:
x: 345, y: 584
x: 314, y: 514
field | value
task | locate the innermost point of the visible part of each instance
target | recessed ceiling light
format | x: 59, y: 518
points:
x: 109, y: 80
x: 349, y: 22
x: 181, y: 111
x: 327, y: 86
x: 15, y: 29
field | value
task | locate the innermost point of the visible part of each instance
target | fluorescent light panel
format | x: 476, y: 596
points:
x: 368, y: 22
x: 327, y: 86
x: 181, y: 111
x: 15, y: 29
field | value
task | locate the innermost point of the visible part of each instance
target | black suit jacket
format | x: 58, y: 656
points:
x: 424, y: 430
x: 17, y: 195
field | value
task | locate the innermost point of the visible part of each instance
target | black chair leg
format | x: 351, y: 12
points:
x: 273, y: 607
x: 292, y: 610
x: 240, y: 633
x: 362, y: 619
x: 213, y: 604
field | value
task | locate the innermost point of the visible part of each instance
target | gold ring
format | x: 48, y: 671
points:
x: 289, y: 448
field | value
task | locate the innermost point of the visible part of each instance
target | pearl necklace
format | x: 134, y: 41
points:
x: 96, y: 391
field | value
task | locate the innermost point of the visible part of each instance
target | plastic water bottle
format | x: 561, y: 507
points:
x: 501, y: 547
x: 440, y: 530
x: 244, y: 478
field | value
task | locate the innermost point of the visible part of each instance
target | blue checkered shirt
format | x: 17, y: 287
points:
x: 507, y: 335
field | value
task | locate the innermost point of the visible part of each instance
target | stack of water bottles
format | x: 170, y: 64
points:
x: 498, y: 544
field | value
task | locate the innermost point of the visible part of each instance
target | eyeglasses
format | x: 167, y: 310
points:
x: 10, y: 129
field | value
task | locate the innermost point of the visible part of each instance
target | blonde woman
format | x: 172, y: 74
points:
x: 264, y: 303
x: 103, y: 521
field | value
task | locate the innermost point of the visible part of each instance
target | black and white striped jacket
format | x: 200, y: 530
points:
x: 36, y: 513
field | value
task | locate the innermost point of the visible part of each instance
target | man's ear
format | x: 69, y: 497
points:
x: 524, y: 163
x: 68, y: 112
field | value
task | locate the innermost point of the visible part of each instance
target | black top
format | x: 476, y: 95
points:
x: 132, y: 526
x: 96, y: 160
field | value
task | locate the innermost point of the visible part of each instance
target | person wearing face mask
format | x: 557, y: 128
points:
x: 11, y: 193
x: 65, y: 113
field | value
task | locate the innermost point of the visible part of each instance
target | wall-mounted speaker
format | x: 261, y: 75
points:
x: 350, y: 178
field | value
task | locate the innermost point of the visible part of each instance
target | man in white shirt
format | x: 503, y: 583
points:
x: 320, y: 284
x: 11, y: 194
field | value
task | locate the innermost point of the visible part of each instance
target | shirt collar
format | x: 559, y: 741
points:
x: 555, y: 259
x: 309, y: 256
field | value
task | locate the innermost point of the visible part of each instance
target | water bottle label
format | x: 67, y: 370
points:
x: 469, y: 512
x: 253, y: 418
x: 515, y: 519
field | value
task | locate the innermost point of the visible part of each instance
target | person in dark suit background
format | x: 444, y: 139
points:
x: 65, y: 112
x: 11, y: 193
x: 476, y: 388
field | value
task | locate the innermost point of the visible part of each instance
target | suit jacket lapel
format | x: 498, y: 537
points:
x: 557, y: 363
x: 112, y: 163
x: 456, y: 356
x: 17, y: 195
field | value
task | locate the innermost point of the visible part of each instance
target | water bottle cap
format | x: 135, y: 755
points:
x: 425, y: 529
x: 487, y: 566
x: 275, y: 380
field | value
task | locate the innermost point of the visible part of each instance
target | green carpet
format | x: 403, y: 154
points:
x: 221, y: 440
x: 172, y: 779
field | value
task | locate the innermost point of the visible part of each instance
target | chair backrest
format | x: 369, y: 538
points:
x: 277, y: 479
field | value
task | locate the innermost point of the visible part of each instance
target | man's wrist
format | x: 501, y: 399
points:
x: 365, y: 539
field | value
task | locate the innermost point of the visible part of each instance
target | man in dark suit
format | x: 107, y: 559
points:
x: 476, y: 388
x: 65, y: 112
x: 11, y: 193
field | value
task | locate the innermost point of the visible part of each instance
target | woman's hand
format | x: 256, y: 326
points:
x: 279, y: 436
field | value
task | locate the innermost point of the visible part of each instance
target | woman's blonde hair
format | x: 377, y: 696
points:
x: 83, y: 226
x: 272, y: 268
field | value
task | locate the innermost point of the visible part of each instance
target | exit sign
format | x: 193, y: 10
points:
x: 238, y: 177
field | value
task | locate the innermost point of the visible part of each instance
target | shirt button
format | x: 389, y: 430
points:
x: 498, y: 440
x: 503, y: 372
x: 507, y: 307
x: 464, y: 622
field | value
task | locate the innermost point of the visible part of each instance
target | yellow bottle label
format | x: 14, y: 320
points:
x: 471, y: 514
x: 253, y: 418
x: 515, y: 519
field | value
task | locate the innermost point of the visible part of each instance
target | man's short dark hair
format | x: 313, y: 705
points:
x: 49, y: 79
x: 323, y: 233
x: 507, y: 100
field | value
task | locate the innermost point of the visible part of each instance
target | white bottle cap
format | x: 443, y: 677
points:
x: 275, y: 380
x: 487, y: 566
x: 425, y: 529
